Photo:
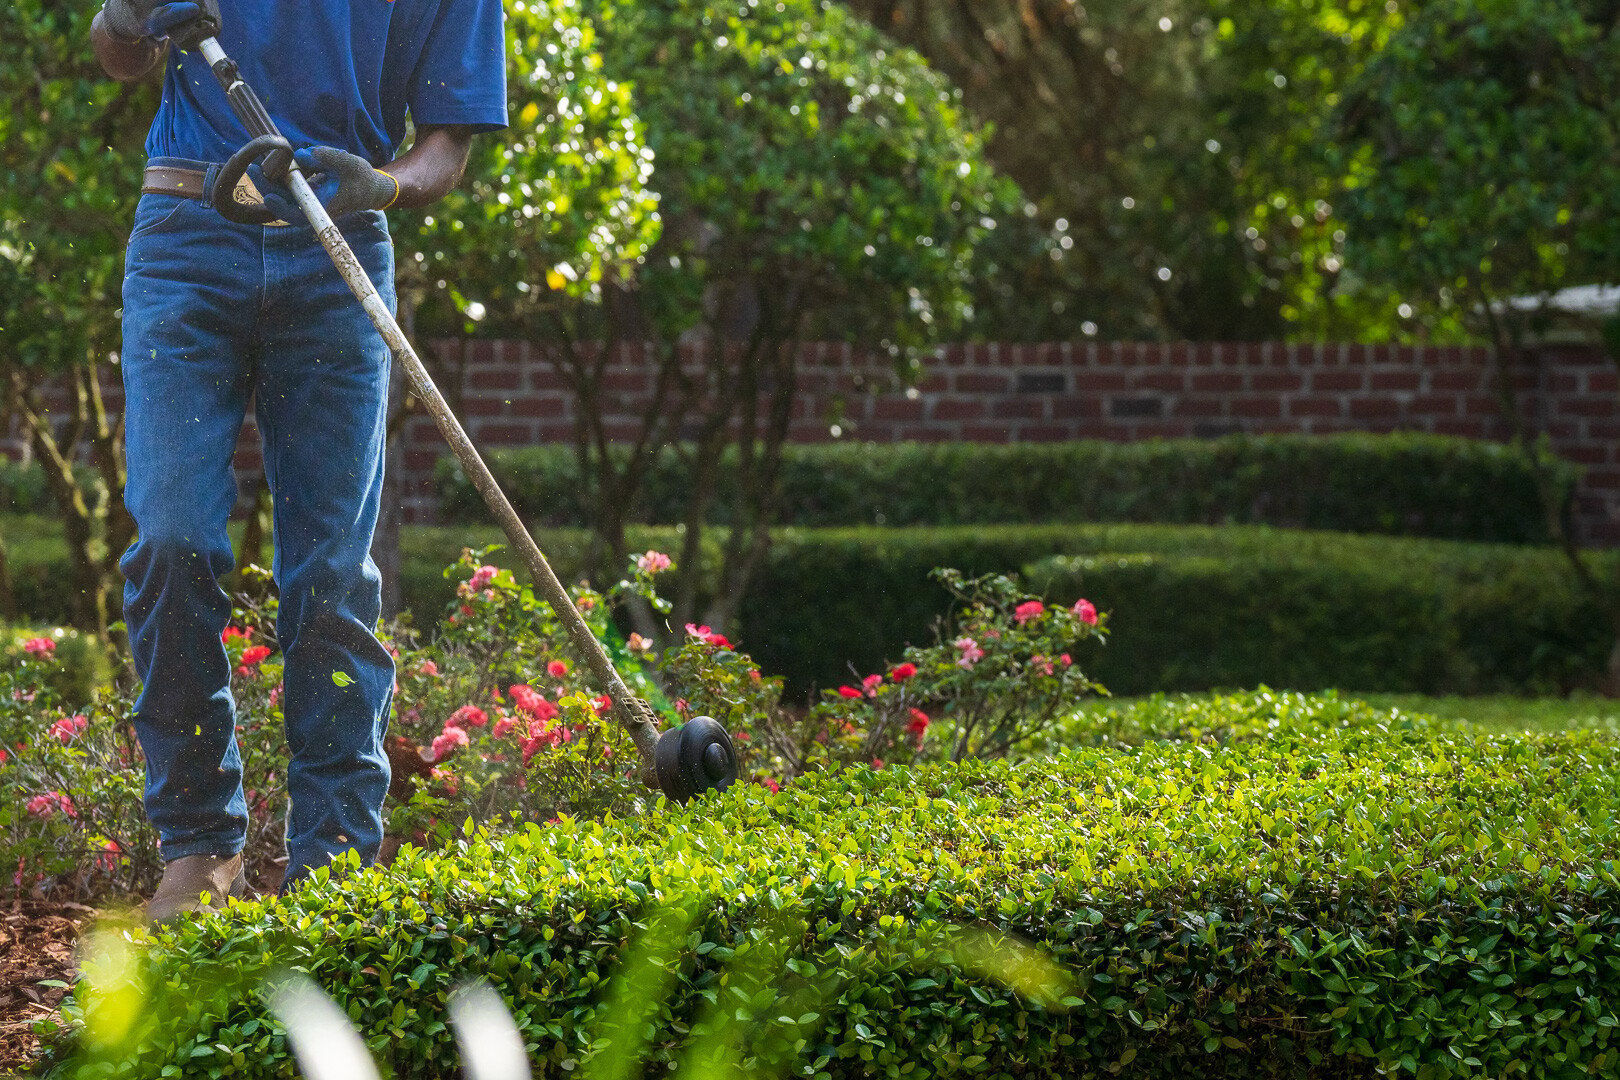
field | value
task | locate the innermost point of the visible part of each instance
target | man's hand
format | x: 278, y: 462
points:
x: 343, y: 182
x: 131, y: 21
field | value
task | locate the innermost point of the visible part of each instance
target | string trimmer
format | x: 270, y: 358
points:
x: 682, y: 762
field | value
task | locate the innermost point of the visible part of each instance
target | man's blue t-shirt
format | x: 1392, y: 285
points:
x: 340, y: 73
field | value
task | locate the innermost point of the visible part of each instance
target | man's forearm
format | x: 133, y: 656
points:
x: 432, y: 166
x: 123, y: 60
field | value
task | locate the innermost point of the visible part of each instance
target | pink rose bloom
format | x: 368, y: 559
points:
x: 870, y: 684
x: 69, y: 727
x: 39, y: 646
x: 654, y: 562
x: 1066, y: 660
x: 482, y: 577
x: 848, y: 692
x: 428, y: 668
x: 557, y: 669
x: 47, y: 804
x: 1041, y: 664
x: 1025, y: 612
x: 1085, y: 611
x: 275, y: 694
x: 502, y: 726
x: 971, y: 653
x: 532, y: 703
x: 707, y: 636
x: 903, y: 672
x: 448, y: 742
x: 467, y: 716
x: 539, y: 740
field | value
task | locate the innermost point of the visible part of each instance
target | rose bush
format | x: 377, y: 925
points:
x: 496, y: 724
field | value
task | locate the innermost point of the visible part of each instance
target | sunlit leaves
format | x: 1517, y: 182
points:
x: 1485, y: 141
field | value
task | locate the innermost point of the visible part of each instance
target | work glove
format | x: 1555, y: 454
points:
x: 343, y: 182
x: 137, y: 20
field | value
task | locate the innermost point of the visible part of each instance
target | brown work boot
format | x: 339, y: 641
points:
x: 185, y: 880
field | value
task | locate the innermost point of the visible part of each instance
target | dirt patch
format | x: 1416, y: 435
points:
x: 36, y: 945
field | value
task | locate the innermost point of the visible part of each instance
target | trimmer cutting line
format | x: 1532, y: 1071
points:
x: 683, y: 762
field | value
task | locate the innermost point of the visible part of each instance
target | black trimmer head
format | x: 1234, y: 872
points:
x: 694, y: 758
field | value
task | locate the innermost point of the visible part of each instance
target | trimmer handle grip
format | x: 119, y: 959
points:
x: 189, y: 35
x: 277, y: 153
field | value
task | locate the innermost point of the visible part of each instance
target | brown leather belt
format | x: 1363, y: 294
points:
x: 195, y: 184
x: 167, y: 180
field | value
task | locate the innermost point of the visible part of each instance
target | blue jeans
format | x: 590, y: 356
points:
x: 216, y: 315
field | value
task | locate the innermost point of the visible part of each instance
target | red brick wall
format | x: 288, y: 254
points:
x: 510, y: 396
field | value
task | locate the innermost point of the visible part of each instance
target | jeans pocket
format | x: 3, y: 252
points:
x: 156, y: 212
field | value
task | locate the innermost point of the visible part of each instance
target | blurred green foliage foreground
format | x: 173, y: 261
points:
x: 1266, y: 885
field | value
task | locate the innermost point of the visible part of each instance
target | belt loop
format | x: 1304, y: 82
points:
x: 208, y: 185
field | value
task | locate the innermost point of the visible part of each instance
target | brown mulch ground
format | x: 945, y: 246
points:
x: 36, y: 945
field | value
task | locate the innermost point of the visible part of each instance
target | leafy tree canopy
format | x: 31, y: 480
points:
x: 1483, y: 147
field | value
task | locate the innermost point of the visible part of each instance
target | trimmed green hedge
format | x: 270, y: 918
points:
x: 1403, y: 484
x: 1192, y: 607
x: 1345, y: 891
x: 1199, y: 607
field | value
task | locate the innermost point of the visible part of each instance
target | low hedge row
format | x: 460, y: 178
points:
x: 1199, y: 607
x: 1343, y: 893
x: 1192, y: 607
x: 1405, y: 484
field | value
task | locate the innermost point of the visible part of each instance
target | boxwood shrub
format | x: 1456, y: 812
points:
x: 1406, y: 484
x: 1192, y: 607
x: 1199, y: 607
x: 1304, y: 889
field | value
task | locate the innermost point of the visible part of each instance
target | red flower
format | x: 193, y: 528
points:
x: 69, y: 727
x: 919, y: 722
x: 107, y: 858
x: 428, y: 668
x: 47, y: 804
x: 707, y: 636
x: 1025, y: 612
x: 557, y: 669
x: 877, y: 763
x: 482, y: 577
x: 502, y: 726
x: 467, y: 716
x: 870, y: 684
x: 1085, y: 611
x: 448, y: 742
x: 1066, y: 660
x: 903, y: 672
x: 602, y: 704
x: 254, y: 653
x: 233, y: 633
x: 532, y: 703
x: 769, y: 785
x: 39, y: 646
x: 848, y: 692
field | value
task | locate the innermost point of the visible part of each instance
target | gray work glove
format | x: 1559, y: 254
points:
x: 139, y: 20
x: 343, y: 182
